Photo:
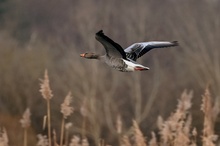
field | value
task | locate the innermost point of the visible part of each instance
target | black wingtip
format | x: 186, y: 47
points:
x: 99, y: 32
x: 175, y: 43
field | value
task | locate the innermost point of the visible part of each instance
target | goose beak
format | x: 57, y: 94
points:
x: 82, y: 55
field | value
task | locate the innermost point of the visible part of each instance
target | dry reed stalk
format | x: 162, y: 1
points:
x: 49, y: 122
x: 138, y: 136
x: 208, y: 137
x: 62, y: 132
x: 44, y: 122
x: 176, y: 129
x: 119, y: 127
x: 47, y: 95
x: 55, y: 138
x: 102, y: 142
x: 84, y: 113
x: 25, y: 136
x: 25, y: 123
x: 66, y: 110
x: 3, y: 137
x: 67, y: 127
x: 119, y: 124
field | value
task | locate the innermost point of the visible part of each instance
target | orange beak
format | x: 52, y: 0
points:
x: 82, y: 55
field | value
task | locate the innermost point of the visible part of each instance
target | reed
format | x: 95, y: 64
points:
x: 210, y: 113
x: 3, y: 137
x: 47, y: 95
x: 66, y: 110
x: 176, y: 130
x: 26, y: 123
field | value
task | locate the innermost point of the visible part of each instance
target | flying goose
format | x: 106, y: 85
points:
x: 125, y: 60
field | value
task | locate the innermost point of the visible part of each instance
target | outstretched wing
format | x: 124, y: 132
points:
x: 112, y: 49
x: 139, y: 49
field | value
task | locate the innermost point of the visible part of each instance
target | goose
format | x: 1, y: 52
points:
x: 124, y: 60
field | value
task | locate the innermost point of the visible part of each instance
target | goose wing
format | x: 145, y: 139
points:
x: 111, y: 47
x: 139, y: 49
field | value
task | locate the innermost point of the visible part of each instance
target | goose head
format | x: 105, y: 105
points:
x: 90, y: 55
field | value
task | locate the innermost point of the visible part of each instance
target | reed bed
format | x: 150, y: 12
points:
x: 176, y: 130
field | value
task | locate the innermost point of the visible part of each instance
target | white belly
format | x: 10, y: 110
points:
x: 132, y: 65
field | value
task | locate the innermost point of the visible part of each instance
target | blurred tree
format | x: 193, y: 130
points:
x: 50, y: 34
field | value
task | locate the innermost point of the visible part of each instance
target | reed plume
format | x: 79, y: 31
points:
x: 42, y: 140
x: 75, y: 141
x: 66, y: 110
x: 138, y: 136
x: 153, y: 141
x: 47, y: 95
x: 45, y: 87
x: 85, y: 142
x: 67, y: 128
x: 3, y: 137
x: 25, y: 123
x: 84, y: 113
x: 210, y: 113
x: 125, y: 141
x: 176, y: 129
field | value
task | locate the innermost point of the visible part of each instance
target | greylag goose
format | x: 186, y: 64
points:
x: 124, y: 60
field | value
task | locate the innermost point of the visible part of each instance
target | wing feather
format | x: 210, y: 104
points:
x: 139, y: 49
x: 112, y: 48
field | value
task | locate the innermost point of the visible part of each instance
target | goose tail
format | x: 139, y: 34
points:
x: 141, y: 68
